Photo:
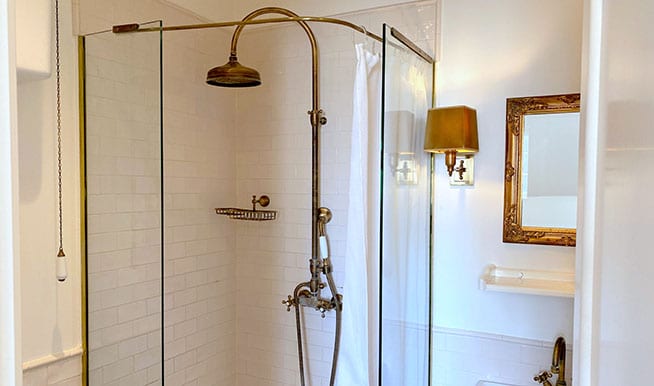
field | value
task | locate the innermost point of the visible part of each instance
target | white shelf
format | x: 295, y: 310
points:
x: 491, y: 383
x: 527, y: 281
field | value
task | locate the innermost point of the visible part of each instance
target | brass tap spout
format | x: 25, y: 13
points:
x: 558, y: 361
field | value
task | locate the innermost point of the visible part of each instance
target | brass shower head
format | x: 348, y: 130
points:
x: 233, y: 74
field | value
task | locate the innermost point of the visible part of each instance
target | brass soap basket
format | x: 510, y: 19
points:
x: 250, y: 214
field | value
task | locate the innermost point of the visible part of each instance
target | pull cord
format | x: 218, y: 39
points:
x: 62, y: 273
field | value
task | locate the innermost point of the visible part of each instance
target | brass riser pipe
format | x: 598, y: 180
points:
x: 317, y: 120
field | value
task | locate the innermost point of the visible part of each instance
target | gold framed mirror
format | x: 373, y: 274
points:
x: 541, y: 170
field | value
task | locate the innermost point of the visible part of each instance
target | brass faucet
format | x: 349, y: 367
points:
x: 558, y: 366
x: 558, y: 361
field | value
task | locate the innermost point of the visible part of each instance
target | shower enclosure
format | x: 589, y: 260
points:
x: 178, y: 294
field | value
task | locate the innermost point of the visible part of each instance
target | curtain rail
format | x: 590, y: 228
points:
x: 131, y: 28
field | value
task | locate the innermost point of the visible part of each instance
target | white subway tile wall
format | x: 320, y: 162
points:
x: 464, y: 358
x: 200, y: 263
x: 64, y: 372
x: 274, y: 158
x: 123, y: 211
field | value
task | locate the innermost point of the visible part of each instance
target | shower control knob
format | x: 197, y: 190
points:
x: 289, y: 303
x: 323, y: 120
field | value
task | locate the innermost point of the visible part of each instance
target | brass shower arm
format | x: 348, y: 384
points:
x: 315, y: 61
x: 315, y: 115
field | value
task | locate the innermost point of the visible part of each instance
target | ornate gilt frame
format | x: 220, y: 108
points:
x: 516, y: 109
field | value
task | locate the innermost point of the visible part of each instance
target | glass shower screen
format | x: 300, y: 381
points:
x: 405, y: 255
x: 122, y: 135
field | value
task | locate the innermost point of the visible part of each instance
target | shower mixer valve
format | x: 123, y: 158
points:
x: 307, y: 294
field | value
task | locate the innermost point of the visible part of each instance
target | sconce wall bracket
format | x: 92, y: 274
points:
x: 463, y: 172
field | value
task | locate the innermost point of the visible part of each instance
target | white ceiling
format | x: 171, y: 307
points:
x: 224, y: 10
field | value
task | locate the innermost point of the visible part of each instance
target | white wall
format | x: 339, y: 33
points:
x: 617, y: 265
x: 34, y: 37
x: 10, y: 329
x: 50, y: 310
x: 492, y: 50
x: 236, y: 10
x: 464, y: 358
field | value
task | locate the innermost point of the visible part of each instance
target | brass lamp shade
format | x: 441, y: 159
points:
x: 451, y: 130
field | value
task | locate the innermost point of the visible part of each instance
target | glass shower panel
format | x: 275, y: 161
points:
x: 124, y: 214
x: 405, y: 257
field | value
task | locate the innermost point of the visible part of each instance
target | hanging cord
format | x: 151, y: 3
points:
x: 61, y: 262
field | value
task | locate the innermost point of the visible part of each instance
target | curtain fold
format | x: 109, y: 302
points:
x: 358, y: 359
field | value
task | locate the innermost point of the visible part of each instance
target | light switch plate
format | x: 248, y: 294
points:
x: 468, y: 174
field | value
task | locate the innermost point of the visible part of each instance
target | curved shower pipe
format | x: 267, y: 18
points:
x: 301, y: 295
x: 317, y: 120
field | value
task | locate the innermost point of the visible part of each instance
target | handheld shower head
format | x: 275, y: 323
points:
x: 233, y: 74
x: 324, y: 216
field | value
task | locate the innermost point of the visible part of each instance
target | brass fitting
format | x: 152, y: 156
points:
x: 543, y: 377
x: 558, y: 361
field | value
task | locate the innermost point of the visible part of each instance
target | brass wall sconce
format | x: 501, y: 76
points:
x: 450, y: 130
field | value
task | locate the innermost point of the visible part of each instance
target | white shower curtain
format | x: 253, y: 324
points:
x: 358, y: 359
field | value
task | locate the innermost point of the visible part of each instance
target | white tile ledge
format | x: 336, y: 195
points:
x: 547, y: 344
x: 52, y: 358
x: 528, y: 281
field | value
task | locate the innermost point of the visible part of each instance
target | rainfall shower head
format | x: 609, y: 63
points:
x: 233, y: 74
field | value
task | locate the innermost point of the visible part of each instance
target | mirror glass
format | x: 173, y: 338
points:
x: 541, y: 171
x: 550, y: 144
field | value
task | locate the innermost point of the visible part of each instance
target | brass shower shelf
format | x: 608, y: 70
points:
x: 250, y: 214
